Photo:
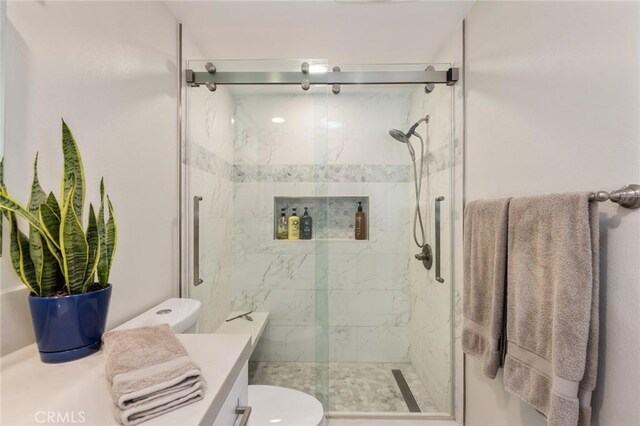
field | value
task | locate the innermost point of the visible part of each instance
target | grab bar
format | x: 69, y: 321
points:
x: 438, y: 277
x: 196, y: 240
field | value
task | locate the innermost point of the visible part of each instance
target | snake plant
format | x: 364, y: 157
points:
x: 59, y: 255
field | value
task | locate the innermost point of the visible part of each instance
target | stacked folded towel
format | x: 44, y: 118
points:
x: 150, y: 373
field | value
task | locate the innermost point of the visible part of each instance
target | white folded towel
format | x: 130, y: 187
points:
x: 150, y: 373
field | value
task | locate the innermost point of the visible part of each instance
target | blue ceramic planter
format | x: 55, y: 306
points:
x: 69, y: 327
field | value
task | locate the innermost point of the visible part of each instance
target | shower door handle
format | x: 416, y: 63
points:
x: 438, y: 277
x: 196, y: 240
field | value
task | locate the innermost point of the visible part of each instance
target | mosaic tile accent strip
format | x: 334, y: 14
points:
x: 323, y: 173
x: 205, y: 160
x: 353, y: 387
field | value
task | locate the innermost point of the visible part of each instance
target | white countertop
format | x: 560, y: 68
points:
x: 77, y: 392
x: 244, y: 326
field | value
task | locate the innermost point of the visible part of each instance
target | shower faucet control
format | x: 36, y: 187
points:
x: 426, y: 256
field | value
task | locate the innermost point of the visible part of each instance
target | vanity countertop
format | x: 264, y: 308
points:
x: 77, y: 392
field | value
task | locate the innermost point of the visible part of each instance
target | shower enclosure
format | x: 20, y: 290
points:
x: 362, y: 324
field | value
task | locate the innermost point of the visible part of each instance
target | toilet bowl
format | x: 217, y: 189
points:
x: 271, y: 405
x: 275, y: 405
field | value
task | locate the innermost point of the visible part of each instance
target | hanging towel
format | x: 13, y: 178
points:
x: 485, y: 269
x: 552, y: 305
x: 150, y: 373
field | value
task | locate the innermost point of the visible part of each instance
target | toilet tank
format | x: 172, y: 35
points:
x: 180, y: 314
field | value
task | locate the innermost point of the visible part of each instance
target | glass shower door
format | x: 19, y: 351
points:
x: 389, y: 323
x: 252, y: 151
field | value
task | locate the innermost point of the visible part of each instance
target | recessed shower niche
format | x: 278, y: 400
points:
x: 333, y: 218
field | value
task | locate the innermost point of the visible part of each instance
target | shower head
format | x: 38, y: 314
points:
x: 404, y: 138
x: 399, y: 135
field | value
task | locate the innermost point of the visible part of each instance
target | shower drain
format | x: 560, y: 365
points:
x: 409, y: 399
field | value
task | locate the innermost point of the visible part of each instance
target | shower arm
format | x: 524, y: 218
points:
x: 412, y: 130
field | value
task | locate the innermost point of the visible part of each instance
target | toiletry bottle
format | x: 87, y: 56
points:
x: 294, y: 226
x: 306, y: 225
x: 361, y: 223
x: 282, y: 232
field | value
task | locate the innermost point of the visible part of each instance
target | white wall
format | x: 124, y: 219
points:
x: 343, y: 32
x: 110, y: 70
x: 552, y: 107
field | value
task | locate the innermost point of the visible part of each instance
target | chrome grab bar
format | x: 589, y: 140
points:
x: 196, y: 240
x: 438, y: 277
x: 245, y: 412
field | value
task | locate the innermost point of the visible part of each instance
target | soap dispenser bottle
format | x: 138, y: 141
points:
x: 282, y: 232
x: 361, y: 223
x: 306, y: 225
x: 294, y: 226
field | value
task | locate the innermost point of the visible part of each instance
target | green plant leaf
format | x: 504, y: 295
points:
x: 20, y: 261
x: 49, y: 216
x: 111, y: 234
x: 73, y: 175
x: 50, y: 278
x: 73, y: 245
x: 36, y: 246
x: 8, y: 204
x: 93, y: 241
x: 108, y: 239
x: 38, y: 196
x: 2, y: 190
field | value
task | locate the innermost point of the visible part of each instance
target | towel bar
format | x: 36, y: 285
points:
x: 628, y: 196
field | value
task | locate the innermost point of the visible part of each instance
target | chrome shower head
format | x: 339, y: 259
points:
x: 404, y: 138
x: 399, y: 135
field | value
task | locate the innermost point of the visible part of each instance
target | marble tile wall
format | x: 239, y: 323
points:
x: 367, y: 313
x: 430, y: 323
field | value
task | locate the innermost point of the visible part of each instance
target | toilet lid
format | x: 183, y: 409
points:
x: 277, y: 406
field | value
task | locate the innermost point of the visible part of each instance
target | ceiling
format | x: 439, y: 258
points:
x: 343, y: 32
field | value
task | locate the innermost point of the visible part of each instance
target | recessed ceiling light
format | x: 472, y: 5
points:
x: 329, y: 124
x: 278, y: 120
x: 317, y: 69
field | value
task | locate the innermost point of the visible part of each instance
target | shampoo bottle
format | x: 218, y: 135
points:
x: 282, y: 226
x: 361, y: 223
x: 306, y: 226
x: 294, y: 226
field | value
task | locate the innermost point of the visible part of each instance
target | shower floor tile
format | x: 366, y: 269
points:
x: 362, y: 387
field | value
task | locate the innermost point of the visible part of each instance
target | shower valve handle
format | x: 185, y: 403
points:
x: 425, y: 256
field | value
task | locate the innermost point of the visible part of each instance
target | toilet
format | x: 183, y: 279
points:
x: 271, y: 405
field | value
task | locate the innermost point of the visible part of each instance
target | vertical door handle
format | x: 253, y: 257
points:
x: 245, y: 412
x: 196, y: 240
x: 438, y: 277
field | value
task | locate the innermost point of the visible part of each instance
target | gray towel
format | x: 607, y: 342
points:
x: 150, y: 373
x: 485, y: 269
x: 552, y: 305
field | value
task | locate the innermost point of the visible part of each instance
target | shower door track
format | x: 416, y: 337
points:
x: 197, y: 78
